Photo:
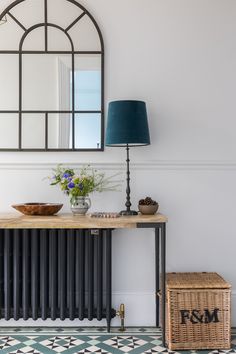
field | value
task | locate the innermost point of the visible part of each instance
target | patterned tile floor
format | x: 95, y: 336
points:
x: 87, y: 340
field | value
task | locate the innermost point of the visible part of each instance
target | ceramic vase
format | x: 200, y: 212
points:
x: 80, y: 205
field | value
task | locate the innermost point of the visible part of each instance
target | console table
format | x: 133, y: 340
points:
x: 60, y: 266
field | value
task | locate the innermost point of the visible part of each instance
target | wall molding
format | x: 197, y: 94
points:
x: 143, y: 165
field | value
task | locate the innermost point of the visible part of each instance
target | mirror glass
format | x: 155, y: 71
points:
x: 51, y: 92
x: 9, y: 131
x: 33, y: 131
x: 49, y: 77
x: 88, y: 131
x: 60, y: 131
x: 88, y: 82
x: 9, y: 81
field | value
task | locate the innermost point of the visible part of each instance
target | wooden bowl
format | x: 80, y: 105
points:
x: 148, y: 209
x: 38, y: 208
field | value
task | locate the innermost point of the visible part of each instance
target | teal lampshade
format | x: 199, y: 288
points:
x: 127, y: 124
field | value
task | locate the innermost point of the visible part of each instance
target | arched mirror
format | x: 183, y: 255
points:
x: 52, y: 77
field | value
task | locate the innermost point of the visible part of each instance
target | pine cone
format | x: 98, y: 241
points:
x: 147, y: 201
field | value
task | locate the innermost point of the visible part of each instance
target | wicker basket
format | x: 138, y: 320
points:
x: 197, y: 311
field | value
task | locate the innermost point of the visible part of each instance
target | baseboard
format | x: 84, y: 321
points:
x: 139, y: 311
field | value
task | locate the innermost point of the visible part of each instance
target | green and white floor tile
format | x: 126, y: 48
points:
x: 87, y: 340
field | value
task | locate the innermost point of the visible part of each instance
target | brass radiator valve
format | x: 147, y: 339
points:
x: 121, y: 314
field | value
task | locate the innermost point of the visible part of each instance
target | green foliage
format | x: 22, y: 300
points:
x: 81, y: 184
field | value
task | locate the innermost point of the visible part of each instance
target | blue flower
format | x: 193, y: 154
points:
x: 81, y: 187
x: 66, y: 175
x: 71, y: 185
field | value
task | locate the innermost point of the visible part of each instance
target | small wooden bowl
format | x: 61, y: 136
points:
x: 148, y: 209
x: 38, y: 208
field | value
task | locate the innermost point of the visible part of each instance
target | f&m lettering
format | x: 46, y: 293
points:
x: 196, y: 316
x: 211, y: 317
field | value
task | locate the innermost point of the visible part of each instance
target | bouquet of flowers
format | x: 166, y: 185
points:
x: 81, y: 184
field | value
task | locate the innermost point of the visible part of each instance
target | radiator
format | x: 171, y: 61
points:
x: 55, y: 274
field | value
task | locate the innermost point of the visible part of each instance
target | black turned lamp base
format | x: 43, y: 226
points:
x: 128, y: 212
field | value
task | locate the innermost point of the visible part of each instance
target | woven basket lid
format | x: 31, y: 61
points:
x: 196, y: 280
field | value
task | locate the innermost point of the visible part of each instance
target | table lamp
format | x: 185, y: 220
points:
x: 127, y: 126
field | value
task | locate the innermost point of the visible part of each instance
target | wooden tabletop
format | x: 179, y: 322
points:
x: 69, y: 221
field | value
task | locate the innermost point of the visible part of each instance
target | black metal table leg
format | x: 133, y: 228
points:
x: 157, y: 271
x: 160, y: 250
x: 163, y: 282
x: 108, y: 277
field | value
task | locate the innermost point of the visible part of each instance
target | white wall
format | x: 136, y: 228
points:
x: 178, y: 56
